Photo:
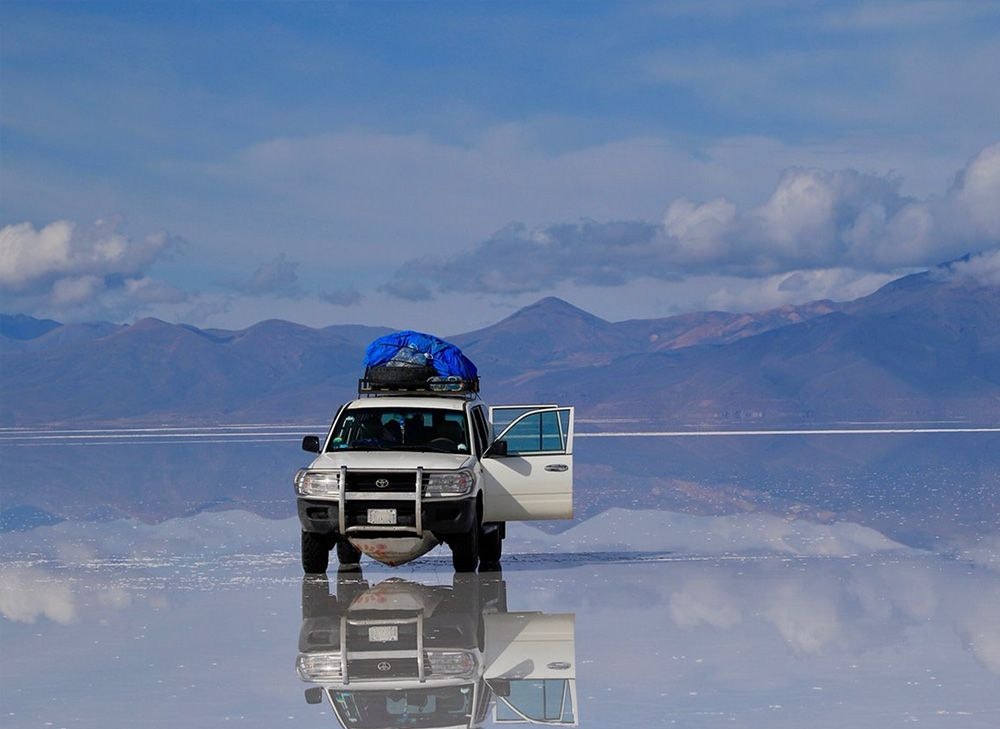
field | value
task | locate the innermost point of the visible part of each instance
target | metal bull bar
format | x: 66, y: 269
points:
x: 418, y: 496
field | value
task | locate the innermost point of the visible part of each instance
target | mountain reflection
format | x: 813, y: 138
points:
x: 405, y: 654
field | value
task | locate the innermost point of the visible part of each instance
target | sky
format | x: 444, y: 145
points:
x: 439, y: 165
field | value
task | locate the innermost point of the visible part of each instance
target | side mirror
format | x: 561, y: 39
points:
x: 500, y: 686
x: 498, y: 448
x: 314, y: 695
x: 311, y: 444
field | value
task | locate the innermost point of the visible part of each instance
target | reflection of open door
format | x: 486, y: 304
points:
x: 530, y: 666
x: 535, y: 479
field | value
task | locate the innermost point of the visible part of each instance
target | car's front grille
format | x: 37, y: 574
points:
x: 381, y: 481
x: 361, y: 669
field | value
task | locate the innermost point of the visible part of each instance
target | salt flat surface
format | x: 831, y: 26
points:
x: 696, y: 621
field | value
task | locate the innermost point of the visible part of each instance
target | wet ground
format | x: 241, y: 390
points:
x: 799, y: 580
x: 644, y: 619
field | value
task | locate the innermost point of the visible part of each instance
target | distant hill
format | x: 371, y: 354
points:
x: 18, y: 327
x: 552, y: 334
x: 153, y: 370
x: 921, y: 348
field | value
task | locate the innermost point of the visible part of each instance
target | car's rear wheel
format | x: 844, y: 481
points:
x: 347, y: 554
x: 315, y: 553
x: 465, y: 550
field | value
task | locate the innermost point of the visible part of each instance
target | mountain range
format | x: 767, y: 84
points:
x: 922, y: 348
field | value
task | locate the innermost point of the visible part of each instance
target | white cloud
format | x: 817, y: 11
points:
x: 27, y: 254
x: 983, y: 269
x: 699, y: 229
x: 975, y: 197
x: 76, y: 290
x: 30, y: 258
x: 797, y: 287
x: 815, y: 223
x: 73, y: 269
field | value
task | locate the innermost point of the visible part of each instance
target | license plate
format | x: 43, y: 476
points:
x: 383, y: 633
x: 381, y: 516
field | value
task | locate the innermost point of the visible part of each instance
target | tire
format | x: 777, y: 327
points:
x: 490, y: 544
x: 347, y: 554
x: 315, y: 553
x: 465, y: 551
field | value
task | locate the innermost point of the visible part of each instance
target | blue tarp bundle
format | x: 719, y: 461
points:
x: 415, y: 349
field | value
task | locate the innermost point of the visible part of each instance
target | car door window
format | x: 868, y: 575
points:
x: 543, y: 432
x: 507, y: 414
x: 543, y: 701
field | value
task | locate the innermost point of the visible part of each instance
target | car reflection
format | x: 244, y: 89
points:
x: 406, y: 654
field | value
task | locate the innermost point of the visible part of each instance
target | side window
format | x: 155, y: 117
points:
x: 546, y: 701
x: 502, y: 417
x: 479, y: 425
x: 543, y: 432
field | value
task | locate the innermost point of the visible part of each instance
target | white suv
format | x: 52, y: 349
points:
x: 402, y: 470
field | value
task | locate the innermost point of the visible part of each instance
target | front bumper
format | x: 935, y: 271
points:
x: 439, y: 516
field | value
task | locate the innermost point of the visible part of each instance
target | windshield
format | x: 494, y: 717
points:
x: 401, y: 429
x: 417, y: 708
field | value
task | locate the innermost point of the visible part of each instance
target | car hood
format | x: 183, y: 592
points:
x: 392, y: 460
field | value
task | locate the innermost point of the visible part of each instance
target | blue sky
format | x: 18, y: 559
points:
x: 437, y: 165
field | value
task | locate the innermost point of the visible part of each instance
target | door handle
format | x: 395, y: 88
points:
x: 557, y: 467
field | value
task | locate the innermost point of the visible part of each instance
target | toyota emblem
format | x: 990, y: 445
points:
x: 382, y: 483
x: 384, y: 666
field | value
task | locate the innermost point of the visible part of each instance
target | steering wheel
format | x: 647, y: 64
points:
x: 441, y: 442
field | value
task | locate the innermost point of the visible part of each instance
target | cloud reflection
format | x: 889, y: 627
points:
x: 29, y: 594
x: 197, y: 620
x: 822, y: 607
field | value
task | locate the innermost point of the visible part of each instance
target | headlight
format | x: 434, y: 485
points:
x: 451, y: 663
x: 455, y: 483
x: 318, y: 667
x: 317, y: 483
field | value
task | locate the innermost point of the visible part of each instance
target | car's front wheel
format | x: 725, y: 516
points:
x: 315, y: 553
x: 465, y: 550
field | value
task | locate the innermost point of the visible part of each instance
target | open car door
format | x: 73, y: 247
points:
x: 534, y: 480
x: 530, y: 667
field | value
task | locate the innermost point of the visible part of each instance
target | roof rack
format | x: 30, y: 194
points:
x: 433, y: 386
